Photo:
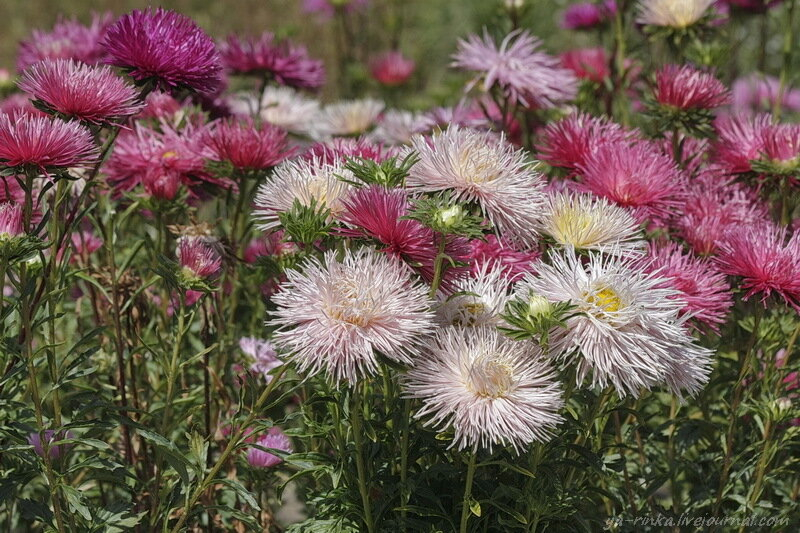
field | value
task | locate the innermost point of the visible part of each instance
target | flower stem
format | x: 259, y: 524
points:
x: 465, y: 507
x: 173, y: 365
x: 786, y: 67
x: 761, y: 469
x: 355, y: 421
x: 404, y: 460
x: 438, y: 265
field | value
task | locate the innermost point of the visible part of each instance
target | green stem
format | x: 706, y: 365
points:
x: 761, y: 469
x: 465, y: 507
x: 438, y: 265
x: 355, y: 421
x: 52, y: 297
x: 786, y: 66
x: 619, y: 63
x: 405, y: 430
x: 673, y: 412
x: 173, y: 365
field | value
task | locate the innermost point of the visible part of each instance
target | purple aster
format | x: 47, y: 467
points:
x: 265, y: 358
x: 274, y: 439
x: 164, y: 46
x: 69, y: 39
x: 40, y: 142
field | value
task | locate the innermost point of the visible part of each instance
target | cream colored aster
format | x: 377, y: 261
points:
x: 336, y: 316
x: 625, y: 331
x: 305, y: 181
x: 346, y: 118
x: 477, y: 300
x: 398, y: 127
x: 672, y: 13
x: 491, y: 390
x: 588, y: 222
x: 480, y: 168
x: 281, y: 106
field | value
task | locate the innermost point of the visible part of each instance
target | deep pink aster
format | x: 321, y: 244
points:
x: 767, y: 258
x: 160, y: 161
x: 247, y: 146
x: 198, y: 259
x: 391, y: 68
x: 781, y: 145
x: 268, y: 245
x: 685, y: 87
x: 587, y: 15
x: 523, y: 73
x: 568, y: 142
x: 635, y: 175
x: 159, y: 104
x: 701, y: 286
x: 740, y: 139
x: 18, y: 104
x: 753, y: 6
x: 10, y: 220
x: 164, y: 47
x: 327, y: 8
x: 69, y: 39
x: 274, y: 439
x: 287, y: 63
x: 341, y: 148
x: 375, y: 212
x: 89, y: 93
x: 495, y: 253
x: 587, y: 63
x: 44, y: 143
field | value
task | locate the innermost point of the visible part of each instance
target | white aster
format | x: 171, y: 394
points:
x: 281, y: 106
x: 477, y: 300
x: 672, y: 13
x: 346, y: 118
x: 398, y: 127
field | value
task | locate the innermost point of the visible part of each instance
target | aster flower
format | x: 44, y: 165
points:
x: 759, y: 92
x: 165, y: 47
x: 625, y: 331
x: 336, y: 314
x: 51, y: 436
x: 637, y: 176
x: 568, y: 142
x: 740, y: 139
x: 285, y: 62
x: 377, y: 213
x: 781, y: 147
x: 494, y: 253
x: 10, y: 220
x: 479, y: 169
x: 491, y: 390
x: 398, y: 127
x: 265, y: 358
x: 84, y: 243
x: 701, y: 288
x: 198, y: 260
x: 306, y: 181
x: 281, y: 106
x: 677, y: 14
x: 69, y: 39
x: 586, y: 15
x: 340, y: 149
x: 91, y: 94
x: 18, y: 104
x: 247, y: 146
x: 477, y: 301
x: 327, y: 8
x: 160, y: 105
x: 767, y: 258
x: 274, y: 439
x: 587, y: 63
x: 685, y: 88
x: 348, y: 117
x: 586, y: 222
x: 391, y: 68
x: 525, y: 75
x: 41, y: 143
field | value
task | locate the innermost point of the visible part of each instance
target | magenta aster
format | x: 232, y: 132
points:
x: 338, y: 150
x: 781, y: 145
x: 287, y: 63
x: 247, y: 146
x: 165, y: 47
x: 69, y: 39
x: 525, y: 74
x: 43, y: 143
x: 391, y: 68
x: 685, y: 87
x: 18, y: 104
x: 494, y: 253
x: 88, y: 93
x: 740, y: 139
x: 274, y: 439
x: 198, y: 259
x: 587, y: 63
x: 587, y: 15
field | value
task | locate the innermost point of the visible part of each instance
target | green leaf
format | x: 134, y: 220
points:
x: 475, y: 506
x: 75, y: 502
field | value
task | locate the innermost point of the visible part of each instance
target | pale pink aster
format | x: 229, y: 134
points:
x: 525, y: 74
x: 481, y: 169
x: 637, y: 176
x: 497, y: 254
x: 160, y: 105
x: 476, y: 301
x: 10, y: 220
x: 84, y: 243
x: 42, y: 142
x: 767, y: 259
x: 758, y: 92
x: 55, y: 451
x: 685, y: 88
x: 492, y: 391
x: 391, y: 68
x: 397, y: 127
x: 740, y: 139
x: 568, y: 142
x: 335, y: 315
x: 164, y: 47
x: 340, y: 149
x: 702, y: 288
x: 69, y: 39
x: 626, y: 331
x: 587, y: 63
x: 247, y: 146
x: 587, y: 15
x: 285, y: 62
x: 274, y: 439
x: 198, y: 259
x: 263, y: 354
x: 89, y: 93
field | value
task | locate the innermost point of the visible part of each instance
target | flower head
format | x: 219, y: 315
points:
x: 477, y: 168
x: 391, y: 68
x: 265, y: 358
x: 348, y: 117
x: 336, y: 314
x: 166, y: 47
x: 69, y: 39
x: 274, y: 439
x: 10, y: 220
x: 198, y: 259
x: 781, y: 146
x: 524, y: 73
x: 495, y: 253
x: 676, y: 14
x: 247, y: 146
x: 51, y: 436
x: 491, y: 390
x: 281, y: 106
x: 338, y: 150
x: 685, y: 87
x: 568, y: 142
x: 42, y: 143
x: 477, y: 300
x: 587, y: 63
x: 285, y: 62
x: 89, y: 93
x: 759, y: 92
x: 740, y: 139
x: 587, y: 15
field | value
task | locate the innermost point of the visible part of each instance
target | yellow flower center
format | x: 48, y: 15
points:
x: 606, y: 299
x: 169, y: 154
x: 490, y: 378
x: 574, y: 226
